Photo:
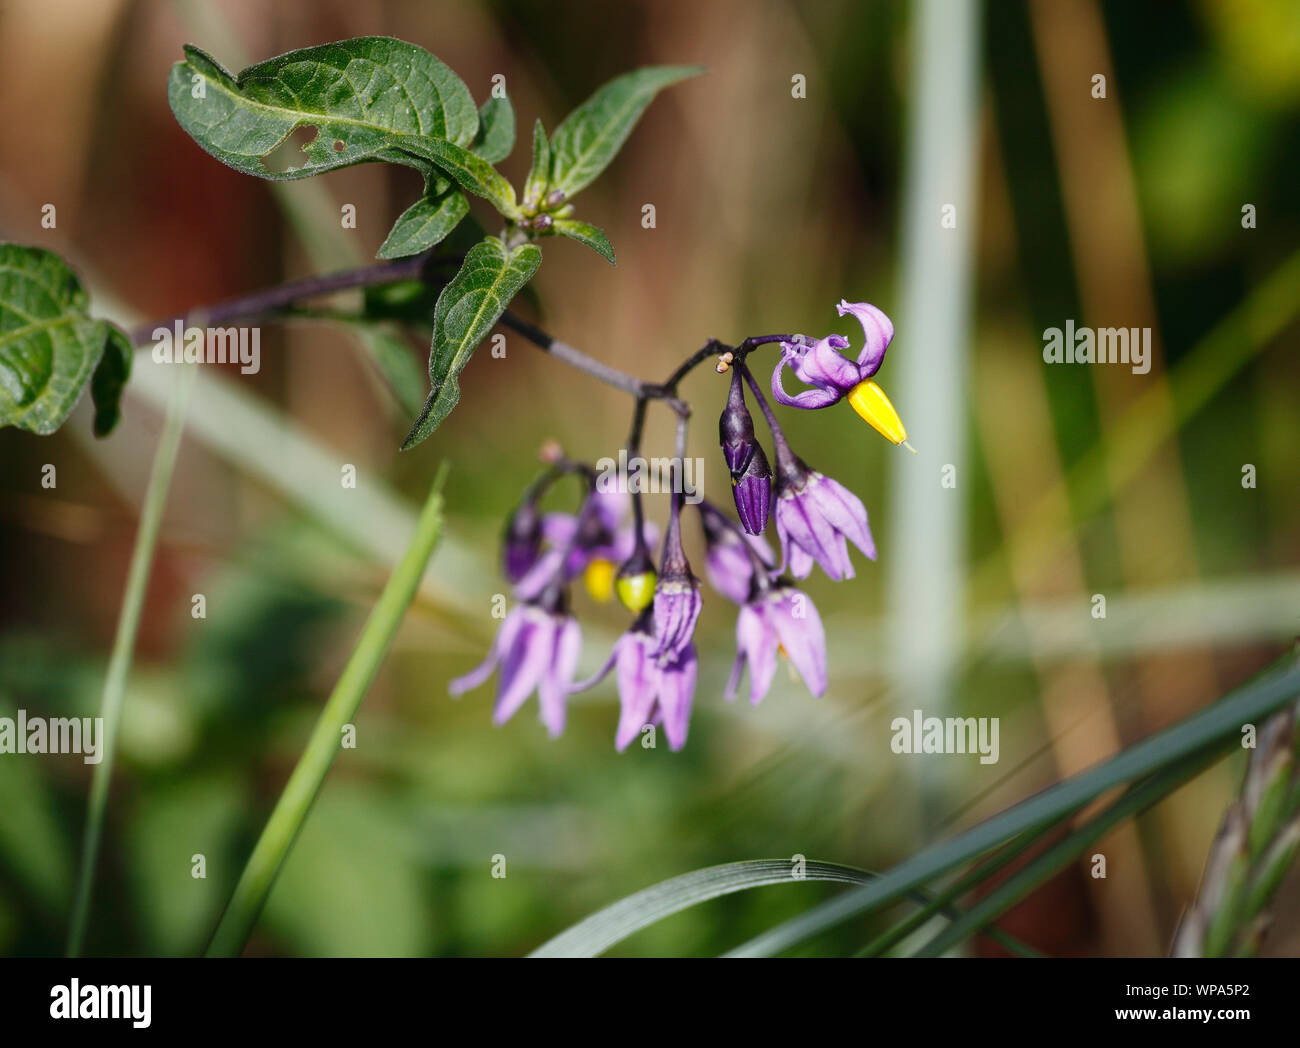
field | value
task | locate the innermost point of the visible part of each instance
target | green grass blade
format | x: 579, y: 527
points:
x: 128, y: 626
x: 1215, y: 725
x: 1134, y: 800
x: 607, y: 927
x: 308, y: 776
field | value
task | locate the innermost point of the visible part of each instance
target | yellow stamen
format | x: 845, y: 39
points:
x: 599, y: 579
x: 869, y: 401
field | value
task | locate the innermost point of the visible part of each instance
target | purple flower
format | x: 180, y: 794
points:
x: 821, y: 365
x: 536, y: 650
x: 778, y: 618
x: 727, y: 565
x: 649, y: 692
x: 676, y: 607
x: 814, y: 517
x: 572, y: 542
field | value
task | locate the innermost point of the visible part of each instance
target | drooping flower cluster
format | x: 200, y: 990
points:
x: 655, y: 660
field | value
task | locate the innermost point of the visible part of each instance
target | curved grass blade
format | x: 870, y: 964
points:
x: 607, y: 927
x: 1136, y: 799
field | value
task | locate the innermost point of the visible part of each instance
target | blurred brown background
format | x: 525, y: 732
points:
x: 769, y: 209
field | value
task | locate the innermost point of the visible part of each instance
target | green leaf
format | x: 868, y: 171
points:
x: 426, y: 222
x: 395, y: 361
x: 592, y: 134
x: 50, y: 345
x: 539, y: 174
x: 109, y: 379
x: 496, y: 130
x: 585, y: 233
x: 467, y: 309
x: 472, y: 172
x: 367, y: 96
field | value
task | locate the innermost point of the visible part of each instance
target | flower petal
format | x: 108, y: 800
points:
x: 806, y: 527
x: 553, y: 688
x: 505, y: 639
x: 803, y: 637
x: 676, y: 691
x: 809, y: 399
x: 877, y: 333
x: 844, y: 511
x: 524, y: 665
x: 638, y: 686
x: 755, y: 636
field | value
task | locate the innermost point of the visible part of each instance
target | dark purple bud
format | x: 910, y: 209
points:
x: 542, y: 223
x: 736, y: 428
x: 554, y: 199
x: 522, y: 543
x: 752, y: 491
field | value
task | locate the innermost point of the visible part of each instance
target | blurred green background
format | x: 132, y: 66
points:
x: 1072, y: 481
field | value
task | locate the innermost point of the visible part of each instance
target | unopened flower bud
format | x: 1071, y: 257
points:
x: 522, y: 541
x: 752, y: 491
x: 736, y: 428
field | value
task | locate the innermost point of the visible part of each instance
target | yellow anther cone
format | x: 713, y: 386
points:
x: 870, y: 402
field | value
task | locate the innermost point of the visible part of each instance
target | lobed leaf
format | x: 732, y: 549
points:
x: 50, y: 346
x: 467, y: 309
x: 591, y: 136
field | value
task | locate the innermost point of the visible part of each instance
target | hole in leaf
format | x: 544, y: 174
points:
x: 339, y: 145
x: 289, y: 153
